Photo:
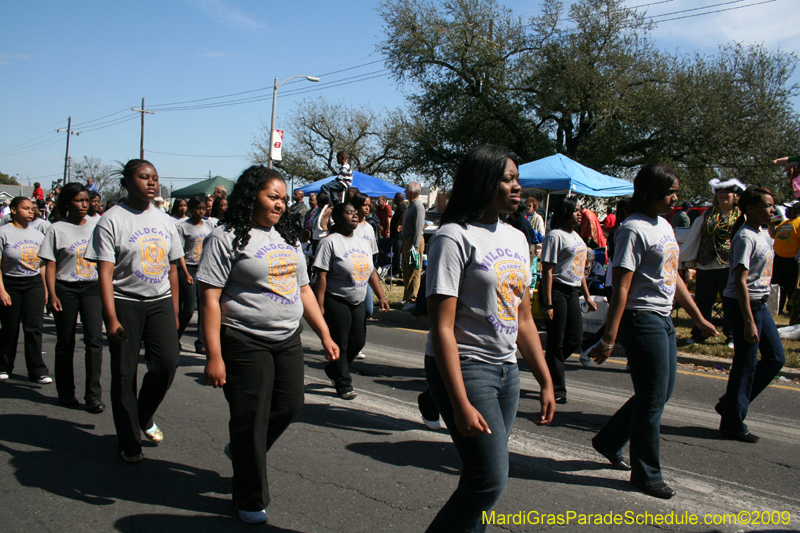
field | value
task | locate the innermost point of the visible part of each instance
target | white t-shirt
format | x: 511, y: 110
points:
x: 568, y: 253
x: 647, y: 247
x: 751, y: 249
x: 487, y: 267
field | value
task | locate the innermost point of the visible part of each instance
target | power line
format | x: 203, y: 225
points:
x: 32, y: 129
x: 718, y: 11
x: 195, y: 155
x: 698, y: 8
x: 84, y: 124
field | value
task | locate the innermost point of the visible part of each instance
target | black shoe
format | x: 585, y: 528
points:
x: 95, y: 406
x: 718, y: 408
x: 744, y: 437
x: 617, y: 462
x: 657, y: 490
x: 562, y: 401
x: 69, y: 402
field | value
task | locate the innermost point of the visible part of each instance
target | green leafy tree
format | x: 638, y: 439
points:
x: 5, y: 179
x: 318, y: 129
x: 587, y: 83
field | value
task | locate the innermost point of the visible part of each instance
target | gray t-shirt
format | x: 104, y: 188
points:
x: 568, y: 253
x: 65, y: 243
x: 647, y: 247
x: 366, y: 232
x: 348, y: 261
x: 40, y: 224
x: 192, y: 238
x: 414, y: 221
x: 750, y: 248
x: 141, y: 244
x: 20, y: 249
x: 260, y: 284
x: 487, y: 267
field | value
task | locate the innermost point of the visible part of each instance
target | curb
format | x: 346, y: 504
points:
x: 422, y: 323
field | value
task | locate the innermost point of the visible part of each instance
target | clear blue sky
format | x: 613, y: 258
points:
x: 88, y: 60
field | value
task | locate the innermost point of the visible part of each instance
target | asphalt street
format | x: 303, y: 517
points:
x: 371, y: 465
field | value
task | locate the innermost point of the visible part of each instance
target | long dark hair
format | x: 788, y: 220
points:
x: 174, y: 211
x: 193, y: 202
x: 652, y: 182
x: 476, y: 182
x: 241, y: 206
x: 562, y: 211
x: 215, y: 208
x: 70, y: 191
x: 751, y: 196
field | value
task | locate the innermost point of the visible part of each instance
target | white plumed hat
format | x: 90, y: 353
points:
x: 732, y: 185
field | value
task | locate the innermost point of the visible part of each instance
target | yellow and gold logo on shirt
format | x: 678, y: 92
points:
x: 282, y: 270
x: 361, y: 270
x: 198, y: 249
x: 86, y: 269
x: 29, y: 256
x: 510, y: 288
x: 154, y: 255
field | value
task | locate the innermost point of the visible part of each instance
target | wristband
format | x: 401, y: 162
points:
x: 547, y: 307
x: 605, y: 344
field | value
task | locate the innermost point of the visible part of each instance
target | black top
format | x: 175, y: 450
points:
x: 397, y: 219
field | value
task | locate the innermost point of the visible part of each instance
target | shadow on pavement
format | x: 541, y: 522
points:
x: 67, y: 460
x: 194, y: 524
x: 346, y: 417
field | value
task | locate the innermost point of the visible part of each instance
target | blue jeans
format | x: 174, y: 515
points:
x: 649, y: 341
x: 494, y: 391
x: 369, y: 304
x: 748, y: 377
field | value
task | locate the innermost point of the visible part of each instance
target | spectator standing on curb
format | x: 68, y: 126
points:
x: 384, y: 214
x: 681, y: 218
x: 413, y: 225
x: 396, y: 232
x: 297, y: 211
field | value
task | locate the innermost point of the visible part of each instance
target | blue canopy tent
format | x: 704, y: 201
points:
x: 368, y: 185
x: 560, y: 174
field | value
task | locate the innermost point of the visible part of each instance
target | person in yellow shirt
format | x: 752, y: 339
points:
x: 786, y: 246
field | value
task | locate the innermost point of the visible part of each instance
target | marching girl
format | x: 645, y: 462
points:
x: 480, y: 311
x: 179, y: 209
x: 344, y: 268
x: 191, y: 232
x: 136, y: 248
x: 563, y: 278
x: 73, y: 288
x: 645, y: 280
x: 254, y: 289
x: 217, y: 213
x: 22, y: 292
x: 744, y: 302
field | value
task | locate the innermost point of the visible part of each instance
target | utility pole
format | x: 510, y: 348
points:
x: 209, y: 174
x: 66, y: 157
x: 143, y: 111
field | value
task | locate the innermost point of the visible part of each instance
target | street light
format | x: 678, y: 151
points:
x: 274, y: 98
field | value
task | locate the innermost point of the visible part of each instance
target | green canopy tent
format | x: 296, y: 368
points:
x: 204, y: 188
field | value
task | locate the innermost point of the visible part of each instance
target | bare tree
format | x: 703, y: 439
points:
x: 100, y: 174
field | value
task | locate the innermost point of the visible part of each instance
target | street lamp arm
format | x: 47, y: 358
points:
x: 309, y: 78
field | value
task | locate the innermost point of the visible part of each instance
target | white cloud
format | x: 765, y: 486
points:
x: 226, y: 14
x: 5, y: 58
x: 767, y: 23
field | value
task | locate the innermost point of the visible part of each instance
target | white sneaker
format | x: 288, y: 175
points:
x: 43, y: 380
x: 729, y: 345
x: 584, y: 358
x: 361, y: 355
x: 432, y: 424
x: 410, y: 306
x: 253, y: 517
x: 3, y: 376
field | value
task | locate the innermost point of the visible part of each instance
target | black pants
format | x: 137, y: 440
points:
x: 79, y: 297
x: 785, y: 275
x: 708, y: 284
x: 397, y: 248
x: 154, y: 323
x: 188, y: 298
x: 349, y: 332
x: 564, y: 333
x: 27, y: 307
x: 264, y: 389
